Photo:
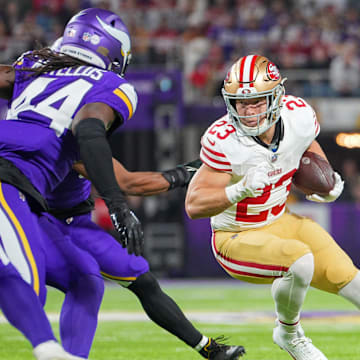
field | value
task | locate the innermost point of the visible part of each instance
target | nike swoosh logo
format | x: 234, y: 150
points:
x: 119, y: 35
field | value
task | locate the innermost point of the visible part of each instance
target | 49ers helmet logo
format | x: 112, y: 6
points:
x: 272, y: 71
x: 245, y: 91
x: 228, y: 76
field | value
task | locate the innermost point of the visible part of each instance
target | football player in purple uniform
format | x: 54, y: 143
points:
x: 71, y: 207
x: 47, y: 95
x: 61, y: 108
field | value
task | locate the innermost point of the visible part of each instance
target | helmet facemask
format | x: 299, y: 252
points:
x: 272, y: 112
x: 254, y: 77
x: 118, y: 66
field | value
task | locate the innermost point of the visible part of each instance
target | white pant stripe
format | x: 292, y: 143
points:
x: 249, y: 269
x: 13, y: 249
x: 236, y: 268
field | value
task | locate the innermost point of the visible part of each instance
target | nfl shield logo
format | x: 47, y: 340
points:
x: 86, y: 36
x: 274, y: 157
x: 71, y: 32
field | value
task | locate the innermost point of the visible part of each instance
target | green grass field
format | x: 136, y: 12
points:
x: 250, y: 324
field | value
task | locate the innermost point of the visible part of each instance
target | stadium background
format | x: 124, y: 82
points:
x: 181, y: 52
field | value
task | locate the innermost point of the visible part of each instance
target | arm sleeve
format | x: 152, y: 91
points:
x: 96, y: 154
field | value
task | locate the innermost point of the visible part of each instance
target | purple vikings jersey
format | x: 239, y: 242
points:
x: 73, y: 190
x: 37, y: 136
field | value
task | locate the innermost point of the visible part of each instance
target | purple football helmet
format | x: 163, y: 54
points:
x: 98, y: 37
x: 56, y: 45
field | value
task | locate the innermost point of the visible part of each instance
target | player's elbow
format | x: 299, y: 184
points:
x: 191, y: 209
x: 191, y: 212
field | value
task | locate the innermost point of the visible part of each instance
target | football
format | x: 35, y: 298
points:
x: 314, y: 175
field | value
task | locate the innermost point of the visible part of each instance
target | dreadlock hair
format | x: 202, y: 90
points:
x: 49, y: 60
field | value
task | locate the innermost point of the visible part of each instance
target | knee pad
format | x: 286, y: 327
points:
x: 303, y: 269
x: 333, y: 269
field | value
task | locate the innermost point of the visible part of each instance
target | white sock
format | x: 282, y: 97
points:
x: 351, y: 291
x: 51, y: 349
x: 43, y: 350
x: 202, y: 343
x: 289, y: 291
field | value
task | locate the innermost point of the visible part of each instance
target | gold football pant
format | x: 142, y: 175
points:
x: 264, y: 254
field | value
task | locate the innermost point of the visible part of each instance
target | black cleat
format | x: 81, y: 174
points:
x: 217, y: 350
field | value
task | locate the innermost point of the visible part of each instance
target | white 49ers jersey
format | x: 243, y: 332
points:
x: 224, y: 150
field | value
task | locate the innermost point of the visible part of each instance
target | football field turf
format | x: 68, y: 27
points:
x: 243, y: 313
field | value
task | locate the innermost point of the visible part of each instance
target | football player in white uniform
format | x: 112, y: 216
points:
x: 249, y: 158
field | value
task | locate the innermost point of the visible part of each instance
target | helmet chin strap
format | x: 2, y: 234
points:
x: 256, y: 130
x: 278, y: 136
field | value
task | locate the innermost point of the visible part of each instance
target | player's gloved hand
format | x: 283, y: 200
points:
x: 182, y: 174
x: 129, y: 228
x: 333, y: 194
x: 251, y: 185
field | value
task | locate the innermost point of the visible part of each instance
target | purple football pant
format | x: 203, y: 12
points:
x: 22, y: 267
x: 90, y: 247
x: 77, y: 274
x: 114, y: 261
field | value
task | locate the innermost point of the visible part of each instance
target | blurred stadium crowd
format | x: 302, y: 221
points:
x: 315, y: 43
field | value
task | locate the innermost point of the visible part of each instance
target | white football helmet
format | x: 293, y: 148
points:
x: 250, y: 77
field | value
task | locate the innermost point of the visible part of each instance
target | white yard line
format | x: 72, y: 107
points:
x: 245, y: 317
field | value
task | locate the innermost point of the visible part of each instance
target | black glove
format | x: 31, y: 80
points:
x: 129, y: 228
x: 182, y: 174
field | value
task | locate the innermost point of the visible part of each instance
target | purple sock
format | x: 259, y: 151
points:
x: 78, y: 319
x: 22, y: 307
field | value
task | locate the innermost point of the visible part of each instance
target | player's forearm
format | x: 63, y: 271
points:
x: 144, y: 184
x: 316, y: 148
x: 202, y: 203
x: 133, y: 183
x: 141, y: 183
x: 96, y: 155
